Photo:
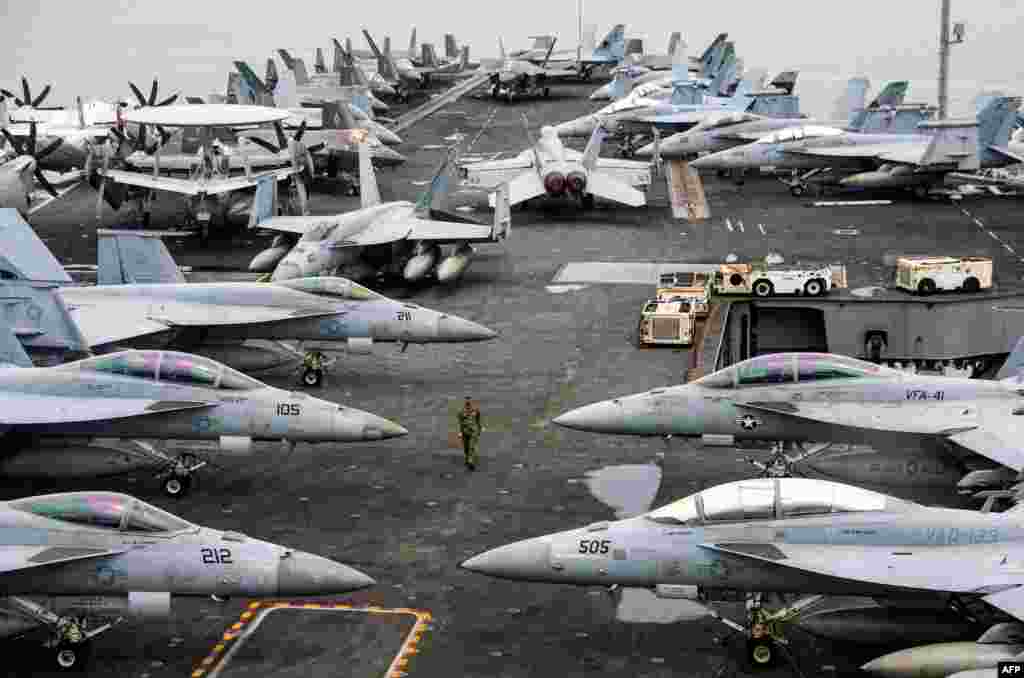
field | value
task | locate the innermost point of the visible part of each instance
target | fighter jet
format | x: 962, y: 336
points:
x: 397, y: 236
x: 399, y: 72
x: 548, y: 168
x: 77, y: 564
x: 786, y: 535
x: 719, y: 132
x: 516, y: 77
x: 822, y: 397
x: 916, y: 161
x: 159, y: 395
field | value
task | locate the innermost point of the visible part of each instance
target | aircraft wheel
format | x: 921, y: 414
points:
x: 313, y: 378
x: 926, y: 287
x: 69, y: 657
x: 547, y: 92
x: 763, y: 288
x: 797, y: 190
x: 177, y: 486
x: 814, y: 288
x: 971, y: 285
x: 761, y: 652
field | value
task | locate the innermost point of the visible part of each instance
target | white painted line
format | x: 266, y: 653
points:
x: 993, y: 236
x: 739, y: 224
x: 979, y: 222
x: 763, y: 232
x: 728, y: 224
x: 1008, y: 248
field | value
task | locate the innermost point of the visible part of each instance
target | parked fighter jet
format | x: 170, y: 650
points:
x: 220, y: 319
x: 548, y: 168
x: 719, y: 132
x: 516, y: 77
x: 77, y: 564
x: 825, y: 397
x: 158, y: 395
x: 398, y: 72
x: 918, y: 161
x: 787, y: 535
x: 398, y: 235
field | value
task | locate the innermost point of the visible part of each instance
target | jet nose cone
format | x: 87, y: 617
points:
x: 387, y: 136
x: 580, y: 127
x: 524, y: 560
x: 387, y: 156
x: 602, y: 93
x: 602, y: 417
x: 352, y: 425
x: 304, y: 574
x: 454, y: 328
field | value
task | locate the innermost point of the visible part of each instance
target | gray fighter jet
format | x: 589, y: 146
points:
x: 790, y: 535
x: 76, y: 564
x: 143, y: 302
x: 50, y: 412
x: 917, y: 161
x: 805, y: 397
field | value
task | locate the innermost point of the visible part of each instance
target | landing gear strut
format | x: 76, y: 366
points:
x: 764, y: 642
x: 70, y: 641
x: 176, y: 479
x: 313, y: 369
x: 782, y: 465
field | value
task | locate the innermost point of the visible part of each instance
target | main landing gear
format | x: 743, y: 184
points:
x: 176, y: 479
x: 69, y: 644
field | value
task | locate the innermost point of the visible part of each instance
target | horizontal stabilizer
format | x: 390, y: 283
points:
x: 125, y: 257
x: 610, y: 188
x: 524, y: 187
x: 24, y: 256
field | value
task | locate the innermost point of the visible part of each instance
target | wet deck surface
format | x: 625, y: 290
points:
x: 407, y: 512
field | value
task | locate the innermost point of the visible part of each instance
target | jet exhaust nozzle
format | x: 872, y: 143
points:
x: 554, y: 183
x: 576, y: 182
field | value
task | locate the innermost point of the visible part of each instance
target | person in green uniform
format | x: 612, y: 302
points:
x: 469, y: 431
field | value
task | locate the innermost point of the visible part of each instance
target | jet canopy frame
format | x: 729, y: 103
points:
x: 168, y: 367
x: 104, y: 511
x: 776, y: 369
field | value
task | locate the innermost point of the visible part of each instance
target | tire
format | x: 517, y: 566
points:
x: 797, y: 190
x: 761, y: 653
x: 971, y: 285
x: 71, y: 657
x: 312, y: 378
x: 814, y: 287
x: 175, y: 486
x: 547, y: 92
x: 926, y: 287
x: 763, y: 288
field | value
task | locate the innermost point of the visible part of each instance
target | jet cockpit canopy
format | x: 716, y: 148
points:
x: 103, y: 510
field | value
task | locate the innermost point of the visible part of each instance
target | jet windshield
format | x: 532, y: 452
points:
x: 792, y: 368
x: 798, y: 133
x: 169, y: 366
x: 331, y: 287
x: 104, y: 510
x: 770, y: 499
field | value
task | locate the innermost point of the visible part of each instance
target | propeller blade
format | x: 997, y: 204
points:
x: 10, y: 95
x: 45, y: 183
x: 42, y: 95
x: 282, y: 140
x: 152, y: 93
x: 263, y: 143
x: 25, y: 90
x: 12, y: 141
x: 165, y: 136
x: 31, y: 138
x: 301, y: 130
x: 138, y: 94
x: 169, y: 100
x: 317, y: 147
x: 140, y: 141
x: 50, y: 148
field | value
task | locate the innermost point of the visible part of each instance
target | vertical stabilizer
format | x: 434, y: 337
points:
x: 369, y: 194
x: 126, y: 258
x: 412, y: 44
x: 709, y: 55
x: 264, y: 202
x: 622, y: 83
x: 11, y: 350
x: 892, y: 94
x: 850, y: 103
x: 319, y: 65
x: 593, y: 150
x: 451, y: 50
x: 287, y: 92
x: 301, y: 74
x: 502, y: 213
x: 741, y: 100
x: 673, y: 43
x: 1014, y: 365
x: 724, y: 69
x: 613, y: 47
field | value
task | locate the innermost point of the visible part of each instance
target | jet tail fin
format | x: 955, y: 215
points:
x: 464, y: 58
x: 892, y: 94
x: 436, y: 194
x: 741, y: 100
x: 301, y: 74
x: 997, y: 120
x: 786, y: 81
x: 412, y: 42
x: 724, y: 70
x: 673, y: 43
x: 501, y: 49
x: 1013, y: 368
x: 952, y: 144
x: 622, y: 83
x: 369, y: 194
x: 264, y: 202
x: 319, y: 65
x: 428, y: 56
x: 850, y: 104
x: 129, y: 257
x: 502, y: 213
x: 451, y: 50
x: 614, y: 45
x: 593, y: 150
x: 710, y: 55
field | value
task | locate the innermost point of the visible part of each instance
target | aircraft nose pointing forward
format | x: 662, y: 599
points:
x: 304, y: 574
x: 454, y: 328
x: 355, y: 425
x: 524, y: 560
x: 604, y: 417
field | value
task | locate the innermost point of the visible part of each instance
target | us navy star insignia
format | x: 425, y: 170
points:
x: 748, y: 422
